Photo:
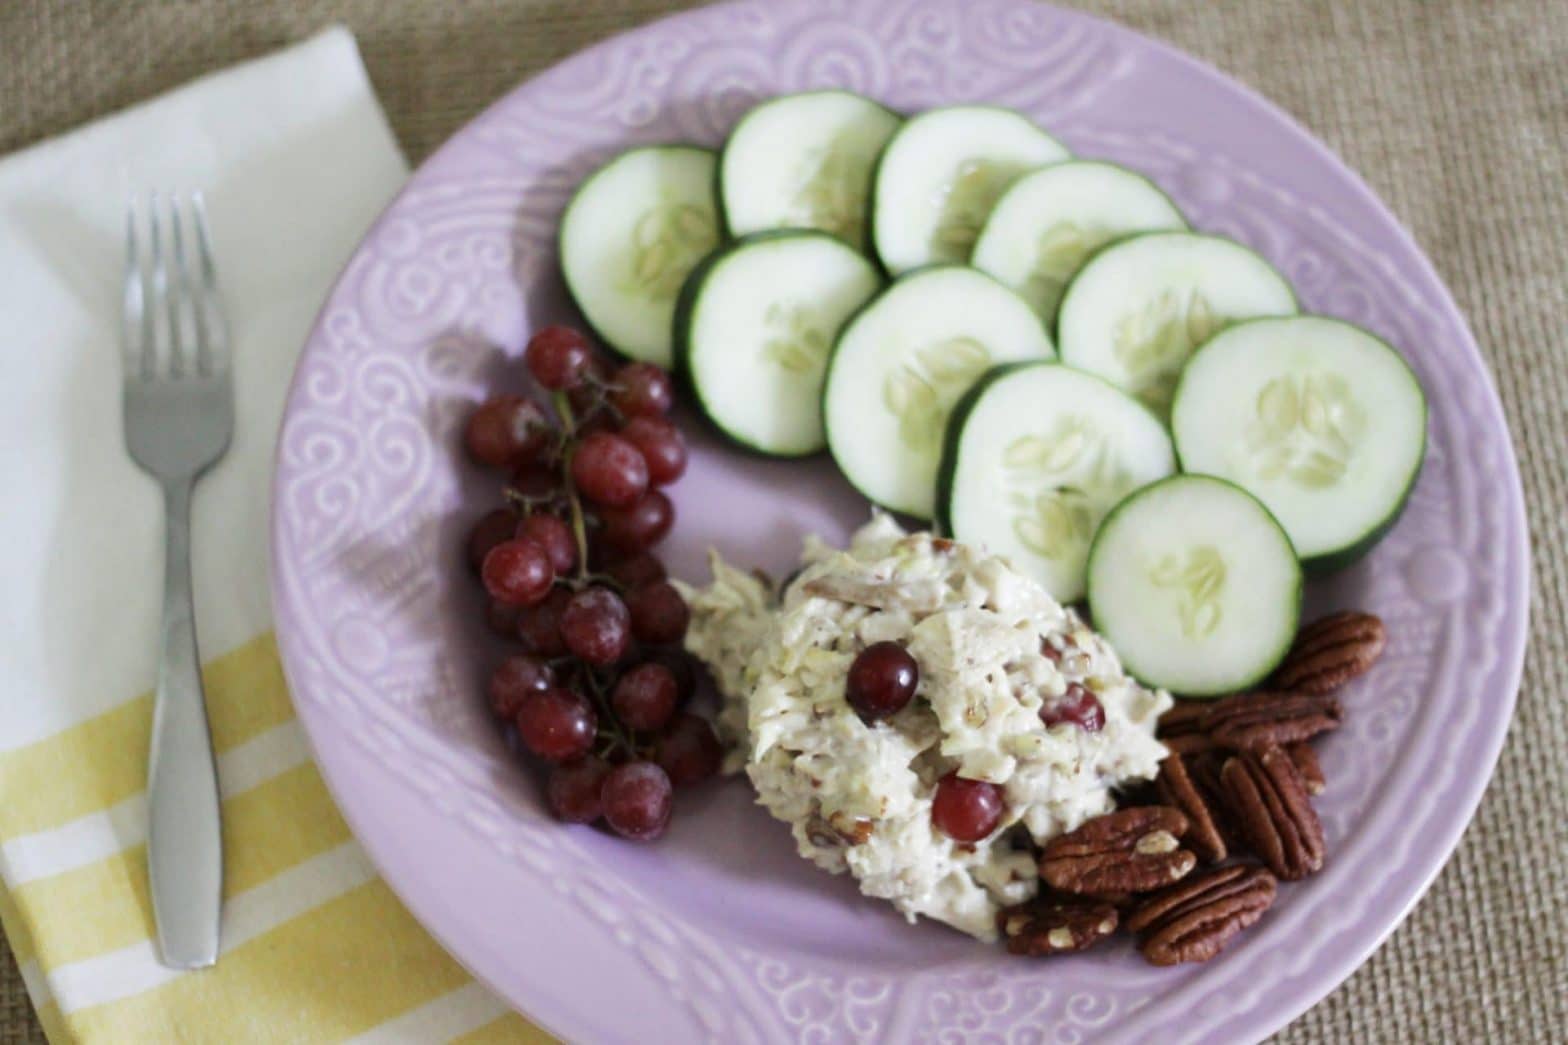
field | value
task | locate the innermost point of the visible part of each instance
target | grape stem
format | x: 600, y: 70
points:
x: 563, y: 408
x: 617, y: 736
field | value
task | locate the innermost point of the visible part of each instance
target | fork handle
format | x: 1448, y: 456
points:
x: 184, y: 840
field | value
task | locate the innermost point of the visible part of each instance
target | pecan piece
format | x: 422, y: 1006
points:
x: 1308, y: 766
x: 1181, y: 728
x: 1269, y: 800
x: 1128, y: 851
x: 1179, y: 790
x: 838, y: 830
x: 1055, y: 925
x: 1331, y: 651
x: 1192, y: 921
x: 1265, y: 719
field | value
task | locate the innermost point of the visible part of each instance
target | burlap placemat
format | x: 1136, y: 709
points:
x: 1456, y: 111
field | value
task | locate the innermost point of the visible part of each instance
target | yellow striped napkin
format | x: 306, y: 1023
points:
x: 296, y: 158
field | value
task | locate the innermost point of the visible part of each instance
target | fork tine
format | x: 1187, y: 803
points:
x: 159, y: 335
x: 183, y: 330
x: 209, y: 304
x: 134, y: 330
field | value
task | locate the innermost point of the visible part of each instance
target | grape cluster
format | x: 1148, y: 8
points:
x: 600, y: 689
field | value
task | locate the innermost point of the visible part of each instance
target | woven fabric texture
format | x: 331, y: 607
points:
x: 1455, y: 111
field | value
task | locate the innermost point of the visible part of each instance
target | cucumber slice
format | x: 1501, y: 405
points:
x: 1195, y: 585
x: 753, y: 329
x: 804, y: 161
x: 630, y: 235
x: 1045, y: 227
x: 1036, y: 454
x: 1136, y: 311
x: 901, y: 364
x: 1320, y: 420
x: 940, y: 175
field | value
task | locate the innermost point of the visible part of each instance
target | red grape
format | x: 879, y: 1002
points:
x: 492, y: 529
x: 609, y: 471
x: 882, y: 679
x: 589, y: 394
x: 637, y: 801
x: 596, y: 626
x: 554, y: 536
x: 661, y: 446
x: 557, y: 357
x: 689, y: 750
x: 536, y: 482
x: 505, y: 431
x: 574, y: 790
x: 515, y: 679
x: 540, y: 626
x: 644, y: 698
x: 659, y: 614
x: 1078, y: 706
x: 966, y: 810
x: 517, y: 572
x: 557, y: 724
x: 679, y: 664
x: 501, y: 618
x: 636, y: 570
x: 642, y: 390
x: 634, y: 529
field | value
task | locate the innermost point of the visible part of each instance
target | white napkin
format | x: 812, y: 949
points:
x: 296, y: 159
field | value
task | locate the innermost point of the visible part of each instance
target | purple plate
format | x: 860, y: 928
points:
x: 720, y: 933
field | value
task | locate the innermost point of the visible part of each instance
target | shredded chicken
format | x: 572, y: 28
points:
x: 993, y: 650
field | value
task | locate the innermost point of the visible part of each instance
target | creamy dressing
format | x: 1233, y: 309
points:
x: 993, y: 649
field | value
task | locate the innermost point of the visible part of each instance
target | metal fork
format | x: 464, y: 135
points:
x: 179, y: 416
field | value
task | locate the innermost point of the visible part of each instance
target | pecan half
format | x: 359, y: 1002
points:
x: 1179, y: 790
x: 1055, y: 925
x: 1192, y: 921
x: 1128, y: 851
x: 1181, y: 728
x: 1273, y: 813
x: 1331, y: 651
x: 1256, y: 721
x: 1204, y: 769
x: 1307, y: 765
